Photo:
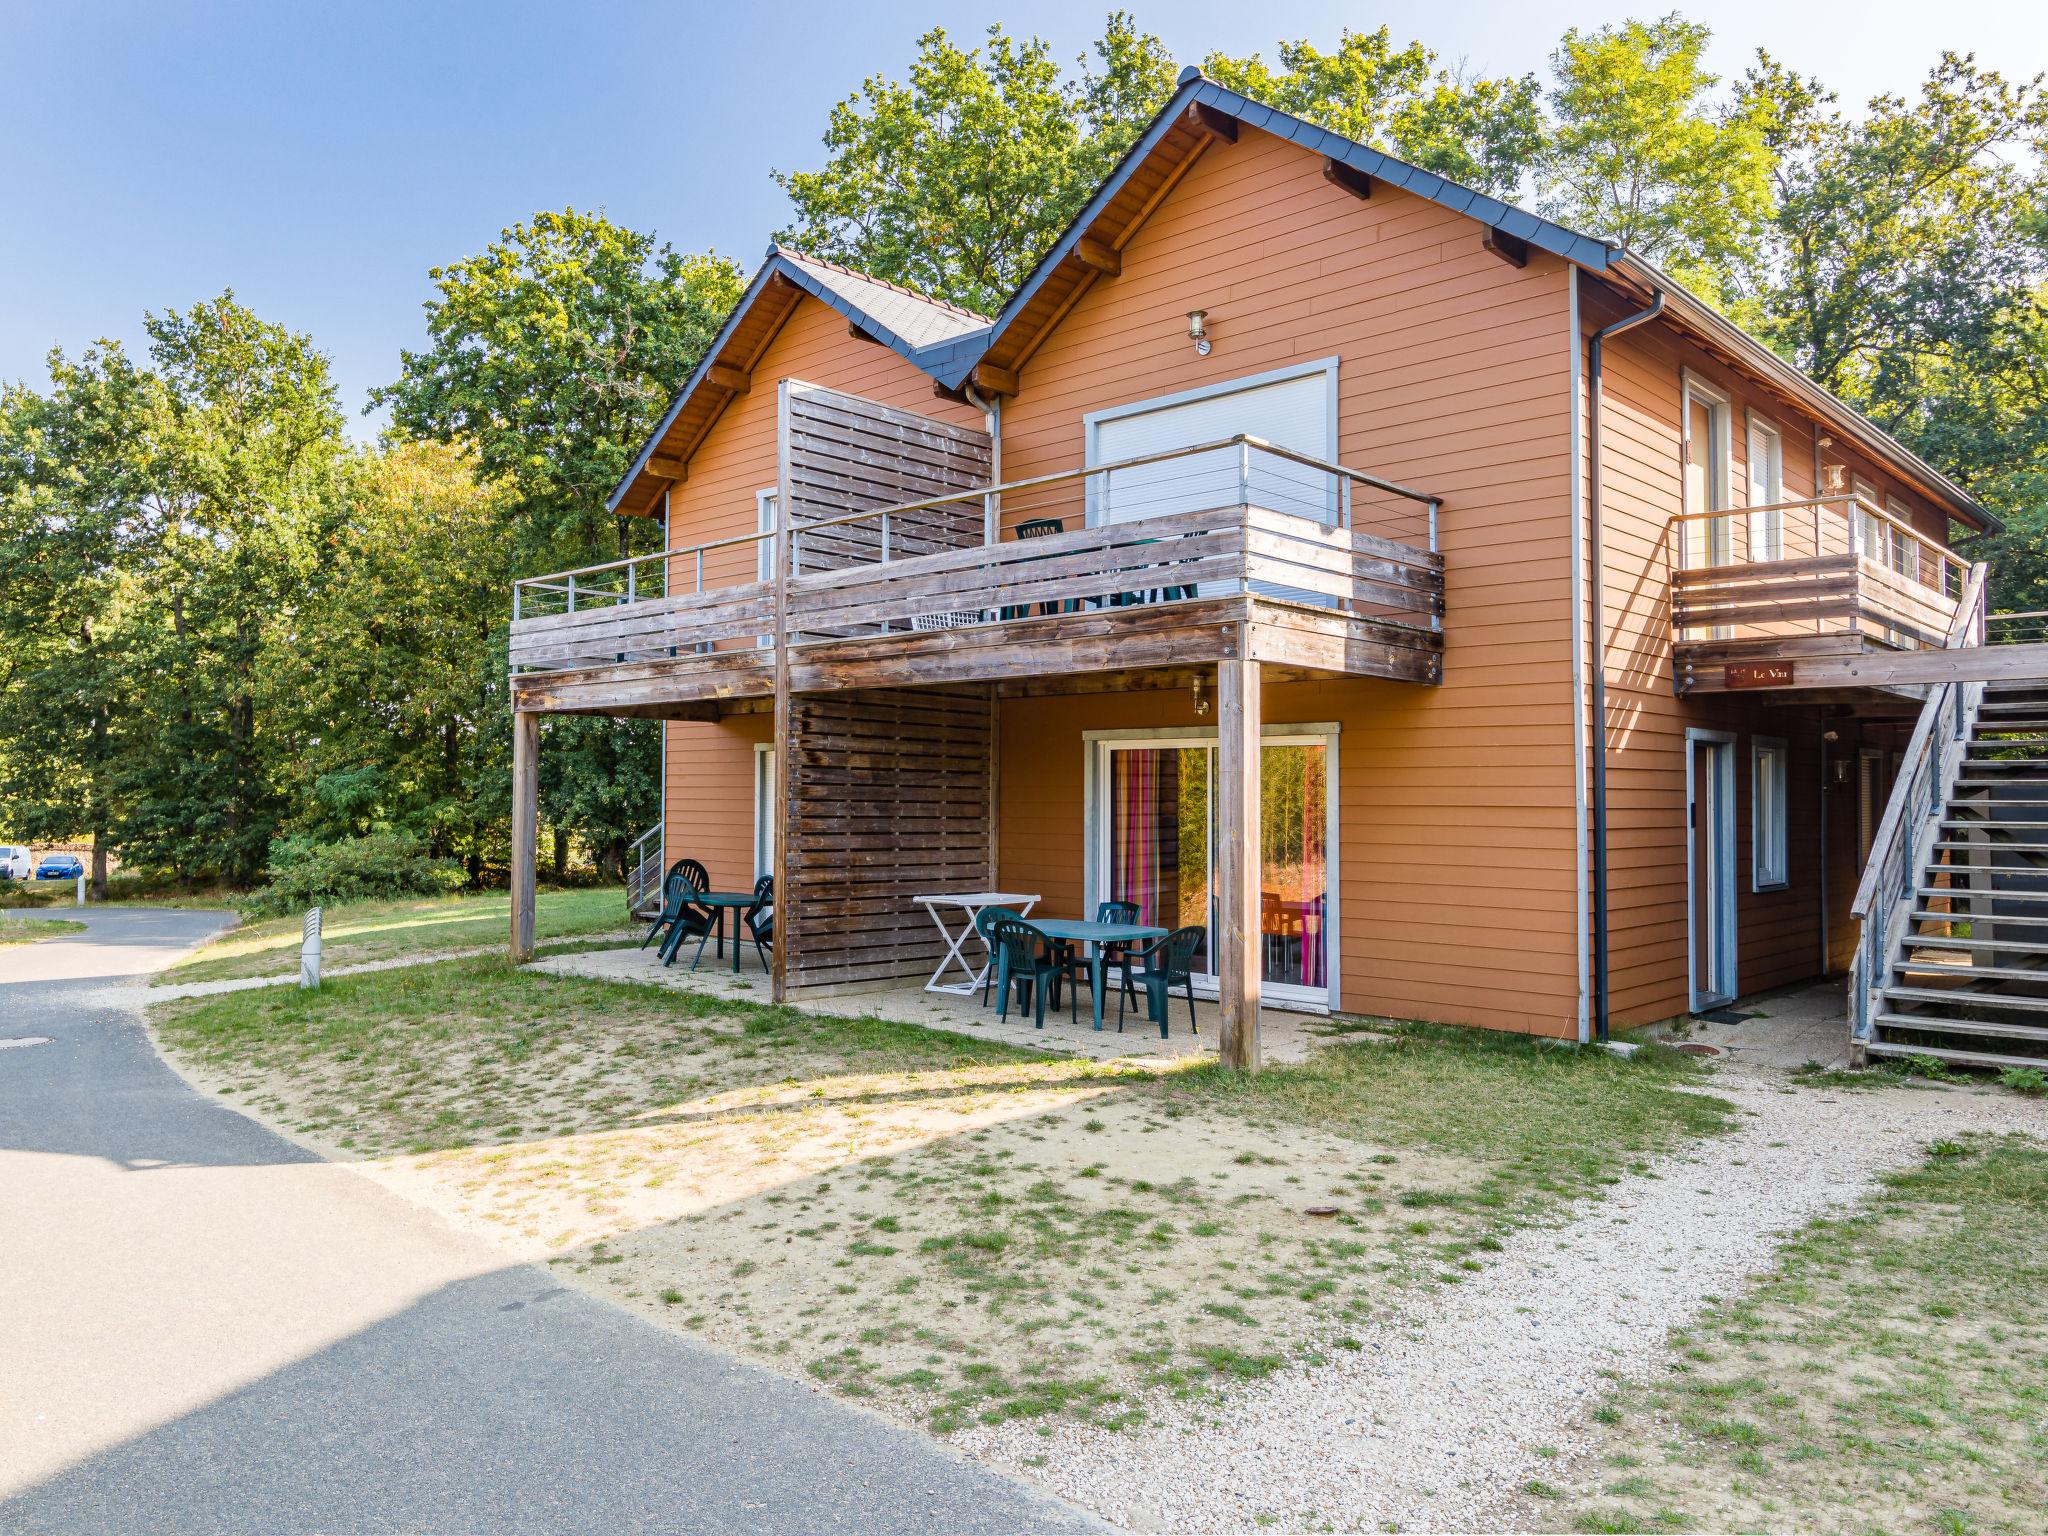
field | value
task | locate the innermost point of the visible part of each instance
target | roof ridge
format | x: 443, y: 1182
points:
x: 779, y: 249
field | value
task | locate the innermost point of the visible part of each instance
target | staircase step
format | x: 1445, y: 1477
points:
x: 1921, y: 914
x: 1964, y: 846
x: 1942, y: 941
x: 1963, y: 975
x: 1965, y: 784
x: 1980, y: 764
x: 1953, y: 1056
x: 2021, y: 894
x: 1979, y: 824
x: 1938, y: 1026
x: 1952, y: 996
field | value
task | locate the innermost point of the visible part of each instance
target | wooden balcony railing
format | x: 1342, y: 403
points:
x: 1835, y: 566
x: 660, y: 607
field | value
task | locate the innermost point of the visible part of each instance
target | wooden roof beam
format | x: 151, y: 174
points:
x: 734, y: 380
x: 1204, y: 119
x: 992, y: 380
x: 1099, y: 256
x: 854, y: 330
x: 1512, y: 249
x: 669, y: 466
x: 1350, y: 178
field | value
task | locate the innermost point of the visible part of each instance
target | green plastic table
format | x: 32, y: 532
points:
x: 1095, y: 935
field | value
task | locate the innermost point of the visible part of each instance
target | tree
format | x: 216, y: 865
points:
x: 243, y: 481
x: 957, y: 181
x: 71, y: 471
x: 388, y: 685
x: 1640, y: 154
x: 553, y: 355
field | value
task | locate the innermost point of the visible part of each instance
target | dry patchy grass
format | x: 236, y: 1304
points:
x: 950, y: 1228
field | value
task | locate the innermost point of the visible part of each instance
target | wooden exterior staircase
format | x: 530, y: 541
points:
x: 1953, y: 960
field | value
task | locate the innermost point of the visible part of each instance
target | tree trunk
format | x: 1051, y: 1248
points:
x: 561, y: 855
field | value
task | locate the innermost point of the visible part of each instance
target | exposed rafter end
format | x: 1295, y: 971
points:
x: 1512, y: 249
x: 1103, y: 258
x: 1350, y: 178
x: 991, y: 380
x: 668, y: 467
x: 735, y: 380
x: 853, y: 329
x: 1206, y: 119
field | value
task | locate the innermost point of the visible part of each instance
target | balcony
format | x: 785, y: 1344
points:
x: 1806, y: 594
x: 1231, y: 549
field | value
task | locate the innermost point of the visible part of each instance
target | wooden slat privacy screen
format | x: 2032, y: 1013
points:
x: 889, y: 797
x: 847, y: 454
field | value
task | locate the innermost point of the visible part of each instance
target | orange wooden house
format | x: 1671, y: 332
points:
x: 1440, y: 607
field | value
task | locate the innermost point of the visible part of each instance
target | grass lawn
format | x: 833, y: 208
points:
x: 26, y: 930
x: 360, y: 931
x: 950, y: 1228
x: 1890, y: 1374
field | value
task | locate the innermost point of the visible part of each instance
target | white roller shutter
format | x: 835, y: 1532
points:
x: 1296, y: 412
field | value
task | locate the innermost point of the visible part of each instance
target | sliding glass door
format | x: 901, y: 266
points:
x: 1156, y: 816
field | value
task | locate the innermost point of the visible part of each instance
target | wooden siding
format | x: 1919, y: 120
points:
x: 851, y: 454
x: 708, y: 774
x: 1642, y: 476
x: 1453, y: 376
x: 888, y: 798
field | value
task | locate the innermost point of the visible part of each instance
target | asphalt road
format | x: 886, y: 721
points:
x: 204, y: 1328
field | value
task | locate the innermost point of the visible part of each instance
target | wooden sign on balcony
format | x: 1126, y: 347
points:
x: 1759, y: 674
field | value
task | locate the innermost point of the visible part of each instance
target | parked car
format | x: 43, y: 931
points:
x: 16, y: 862
x: 60, y: 866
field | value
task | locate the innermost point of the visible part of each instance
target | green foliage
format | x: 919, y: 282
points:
x: 304, y: 873
x: 553, y: 354
x: 955, y: 181
x: 1641, y: 155
x: 2031, y: 1081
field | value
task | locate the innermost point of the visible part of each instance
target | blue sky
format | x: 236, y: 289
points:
x: 319, y: 159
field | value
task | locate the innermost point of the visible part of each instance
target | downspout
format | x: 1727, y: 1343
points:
x: 1582, y: 855
x: 1599, y: 723
x: 992, y: 412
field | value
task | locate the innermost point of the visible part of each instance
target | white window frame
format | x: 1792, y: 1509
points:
x: 1766, y: 529
x: 764, y: 797
x: 1097, y: 746
x: 764, y: 549
x: 1710, y: 544
x: 1770, y: 842
x: 1091, y: 422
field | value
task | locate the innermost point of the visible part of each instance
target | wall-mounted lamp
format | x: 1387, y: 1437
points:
x: 1198, y: 331
x: 1201, y: 701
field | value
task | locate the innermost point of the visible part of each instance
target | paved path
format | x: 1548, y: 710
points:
x: 202, y: 1327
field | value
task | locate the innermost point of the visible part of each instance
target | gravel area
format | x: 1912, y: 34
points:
x: 1438, y: 1418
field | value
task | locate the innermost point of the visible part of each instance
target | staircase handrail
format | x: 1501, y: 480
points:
x: 1912, y: 816
x: 643, y: 867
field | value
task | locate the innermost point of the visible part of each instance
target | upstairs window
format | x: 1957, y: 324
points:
x: 1766, y: 490
x: 1705, y: 450
x: 1770, y: 868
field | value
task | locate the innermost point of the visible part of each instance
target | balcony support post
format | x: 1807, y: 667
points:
x: 525, y: 829
x: 1237, y: 863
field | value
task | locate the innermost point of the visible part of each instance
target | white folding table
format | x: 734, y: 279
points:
x: 970, y: 904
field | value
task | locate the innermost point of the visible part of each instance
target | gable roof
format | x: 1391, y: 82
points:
x: 907, y: 323
x: 950, y: 343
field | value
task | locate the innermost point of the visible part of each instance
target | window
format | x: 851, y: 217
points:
x: 764, y: 550
x: 764, y: 809
x: 1769, y: 869
x: 1705, y: 450
x: 1766, y: 489
x: 1907, y: 562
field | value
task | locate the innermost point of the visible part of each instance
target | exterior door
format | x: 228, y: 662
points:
x: 1157, y: 816
x: 1710, y: 867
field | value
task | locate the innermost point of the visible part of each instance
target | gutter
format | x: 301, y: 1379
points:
x: 1594, y: 358
x: 1839, y: 414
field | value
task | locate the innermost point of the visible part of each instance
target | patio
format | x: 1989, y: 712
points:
x: 1285, y: 1036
